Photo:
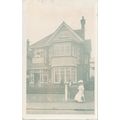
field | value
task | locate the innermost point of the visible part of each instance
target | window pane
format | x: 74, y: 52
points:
x: 36, y: 78
x: 31, y: 80
x: 56, y: 75
x: 67, y: 74
x: 73, y: 74
x: 39, y: 53
x: 62, y: 75
x: 62, y: 49
x: 45, y: 76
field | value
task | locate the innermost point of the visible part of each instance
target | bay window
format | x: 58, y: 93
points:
x: 64, y: 74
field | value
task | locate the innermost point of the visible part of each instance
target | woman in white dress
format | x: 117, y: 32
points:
x: 79, y: 97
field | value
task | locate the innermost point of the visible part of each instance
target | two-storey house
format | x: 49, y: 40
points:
x: 61, y: 57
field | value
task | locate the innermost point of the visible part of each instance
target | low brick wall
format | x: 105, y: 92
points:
x: 58, y: 89
x: 53, y: 89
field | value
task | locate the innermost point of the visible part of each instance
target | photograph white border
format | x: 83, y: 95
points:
x: 59, y: 116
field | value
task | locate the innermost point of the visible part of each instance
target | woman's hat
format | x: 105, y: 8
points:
x: 80, y: 81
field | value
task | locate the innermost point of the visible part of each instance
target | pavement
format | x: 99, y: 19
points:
x: 63, y: 107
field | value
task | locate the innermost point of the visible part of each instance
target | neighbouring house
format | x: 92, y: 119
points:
x: 63, y: 56
x: 92, y: 68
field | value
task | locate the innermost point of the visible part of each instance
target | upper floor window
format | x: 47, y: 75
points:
x: 75, y: 51
x: 39, y: 53
x: 62, y: 49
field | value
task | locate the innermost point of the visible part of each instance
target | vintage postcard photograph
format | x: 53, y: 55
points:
x: 59, y: 59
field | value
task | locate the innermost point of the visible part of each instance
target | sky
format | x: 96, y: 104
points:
x: 42, y: 17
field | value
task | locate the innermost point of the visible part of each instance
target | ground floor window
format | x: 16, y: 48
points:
x: 64, y: 74
x: 44, y: 76
x: 40, y: 76
x: 74, y: 75
x: 31, y: 80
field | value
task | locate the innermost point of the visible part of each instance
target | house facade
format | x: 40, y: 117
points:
x: 63, y: 56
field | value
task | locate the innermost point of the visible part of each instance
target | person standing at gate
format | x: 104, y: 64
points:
x: 79, y: 97
x: 69, y: 89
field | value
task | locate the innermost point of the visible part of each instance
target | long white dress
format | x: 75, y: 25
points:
x: 79, y: 97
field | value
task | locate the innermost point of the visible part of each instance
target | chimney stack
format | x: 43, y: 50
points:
x: 83, y: 27
x: 28, y: 44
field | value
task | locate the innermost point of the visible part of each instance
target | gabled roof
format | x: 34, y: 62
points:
x: 76, y: 34
x: 42, y: 42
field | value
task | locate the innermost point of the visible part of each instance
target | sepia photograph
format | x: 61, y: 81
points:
x: 60, y: 57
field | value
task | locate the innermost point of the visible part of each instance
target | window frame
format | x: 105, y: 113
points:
x: 62, y: 49
x: 66, y: 75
